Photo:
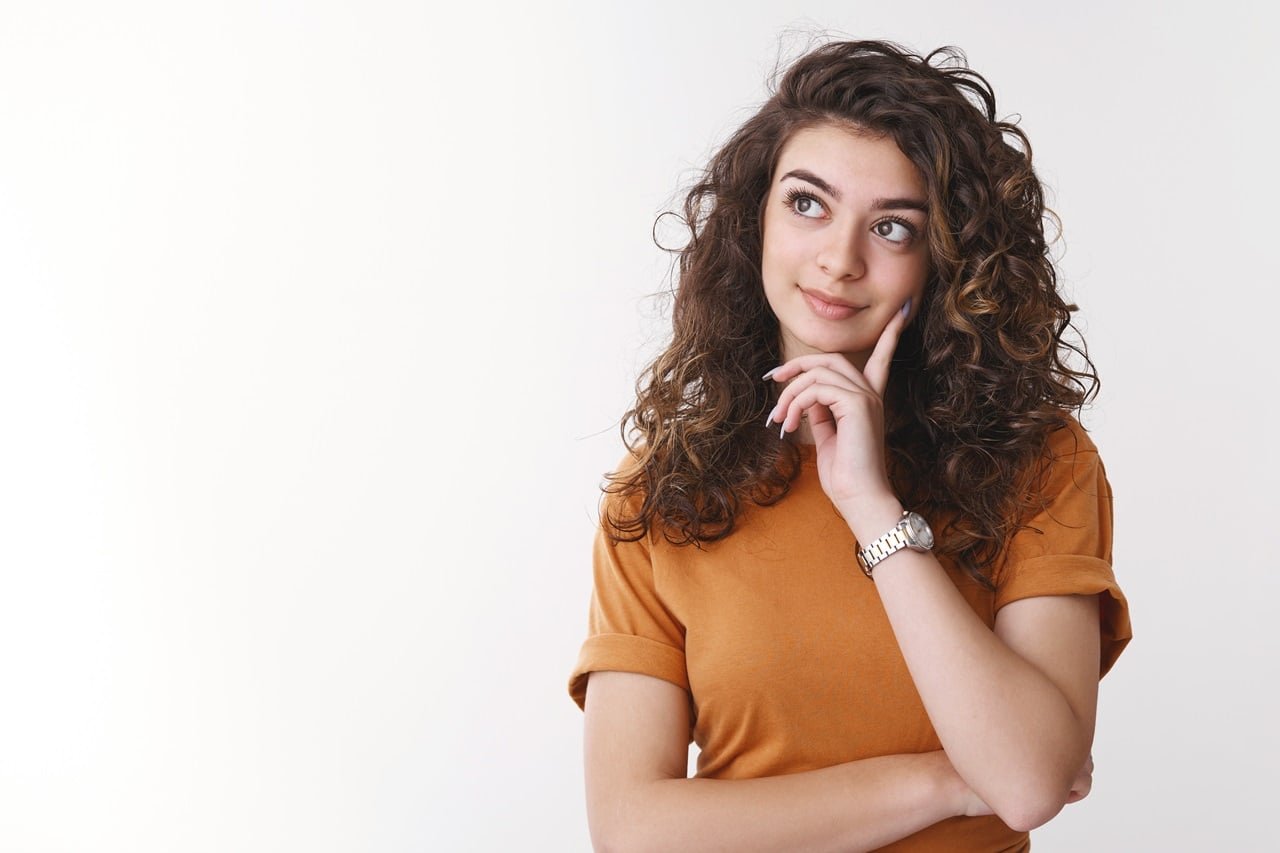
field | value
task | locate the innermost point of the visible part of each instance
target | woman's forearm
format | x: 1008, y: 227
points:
x: 860, y: 805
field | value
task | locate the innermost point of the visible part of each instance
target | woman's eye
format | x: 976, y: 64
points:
x: 801, y: 203
x: 885, y: 229
x: 807, y: 206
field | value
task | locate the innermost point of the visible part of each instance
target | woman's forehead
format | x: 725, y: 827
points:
x: 848, y: 163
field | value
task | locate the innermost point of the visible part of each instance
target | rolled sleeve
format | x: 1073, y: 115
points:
x: 1066, y: 547
x: 630, y: 628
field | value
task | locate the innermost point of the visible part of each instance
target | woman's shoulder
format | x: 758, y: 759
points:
x: 624, y: 487
x: 629, y: 467
x: 1069, y: 439
x: 1069, y: 462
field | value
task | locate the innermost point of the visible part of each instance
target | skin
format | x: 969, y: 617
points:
x: 842, y: 247
x: 832, y: 381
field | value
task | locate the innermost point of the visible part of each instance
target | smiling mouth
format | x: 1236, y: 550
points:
x: 829, y: 310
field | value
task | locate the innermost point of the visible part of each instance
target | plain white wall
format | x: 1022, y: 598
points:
x: 316, y: 321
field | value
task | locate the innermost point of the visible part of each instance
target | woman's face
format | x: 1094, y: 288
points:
x: 844, y: 241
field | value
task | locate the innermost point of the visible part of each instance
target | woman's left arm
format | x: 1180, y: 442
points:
x: 1014, y: 709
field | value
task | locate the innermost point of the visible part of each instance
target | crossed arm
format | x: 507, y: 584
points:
x: 636, y: 748
x: 1014, y: 710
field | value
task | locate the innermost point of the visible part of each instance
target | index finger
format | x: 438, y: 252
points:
x: 877, y: 367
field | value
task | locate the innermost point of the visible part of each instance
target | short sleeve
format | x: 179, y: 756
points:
x: 1066, y: 547
x: 629, y: 627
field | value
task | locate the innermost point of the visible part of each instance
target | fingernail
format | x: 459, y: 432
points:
x: 772, y: 414
x: 906, y: 309
x: 782, y: 433
x: 771, y: 372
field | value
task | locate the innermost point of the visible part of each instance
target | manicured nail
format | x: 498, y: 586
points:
x: 906, y: 309
x: 771, y: 372
x: 782, y: 433
x: 773, y: 413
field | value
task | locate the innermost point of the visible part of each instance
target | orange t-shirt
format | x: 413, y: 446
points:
x: 785, y: 649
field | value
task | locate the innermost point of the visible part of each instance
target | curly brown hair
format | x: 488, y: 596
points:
x: 977, y: 383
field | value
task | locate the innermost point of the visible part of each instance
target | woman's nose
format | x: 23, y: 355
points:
x: 841, y: 257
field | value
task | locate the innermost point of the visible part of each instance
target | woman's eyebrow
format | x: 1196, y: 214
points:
x: 876, y: 204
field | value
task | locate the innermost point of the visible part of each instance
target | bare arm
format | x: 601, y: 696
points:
x: 1014, y: 708
x: 638, y: 796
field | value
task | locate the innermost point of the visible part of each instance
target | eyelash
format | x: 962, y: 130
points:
x: 795, y: 194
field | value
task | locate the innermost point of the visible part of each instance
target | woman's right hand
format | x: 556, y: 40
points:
x: 971, y: 805
x: 1084, y: 781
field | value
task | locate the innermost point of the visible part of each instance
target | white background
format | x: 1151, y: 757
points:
x: 316, y: 321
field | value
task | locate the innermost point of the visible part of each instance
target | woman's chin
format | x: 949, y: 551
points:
x: 841, y: 345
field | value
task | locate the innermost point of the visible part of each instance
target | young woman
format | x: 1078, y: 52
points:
x: 860, y: 547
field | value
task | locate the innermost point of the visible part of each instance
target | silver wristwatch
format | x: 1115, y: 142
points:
x: 911, y: 531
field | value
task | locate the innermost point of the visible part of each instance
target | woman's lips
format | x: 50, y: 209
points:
x: 828, y: 310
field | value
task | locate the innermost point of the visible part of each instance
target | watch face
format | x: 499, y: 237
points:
x: 920, y: 530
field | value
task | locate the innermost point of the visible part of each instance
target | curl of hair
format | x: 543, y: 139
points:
x: 978, y: 381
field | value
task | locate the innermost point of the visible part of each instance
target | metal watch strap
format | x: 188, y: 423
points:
x: 892, y: 542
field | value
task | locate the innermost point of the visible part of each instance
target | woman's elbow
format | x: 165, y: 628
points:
x: 1035, y: 797
x: 610, y: 842
x: 625, y: 842
x: 1032, y: 810
x: 623, y: 830
x: 616, y: 838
